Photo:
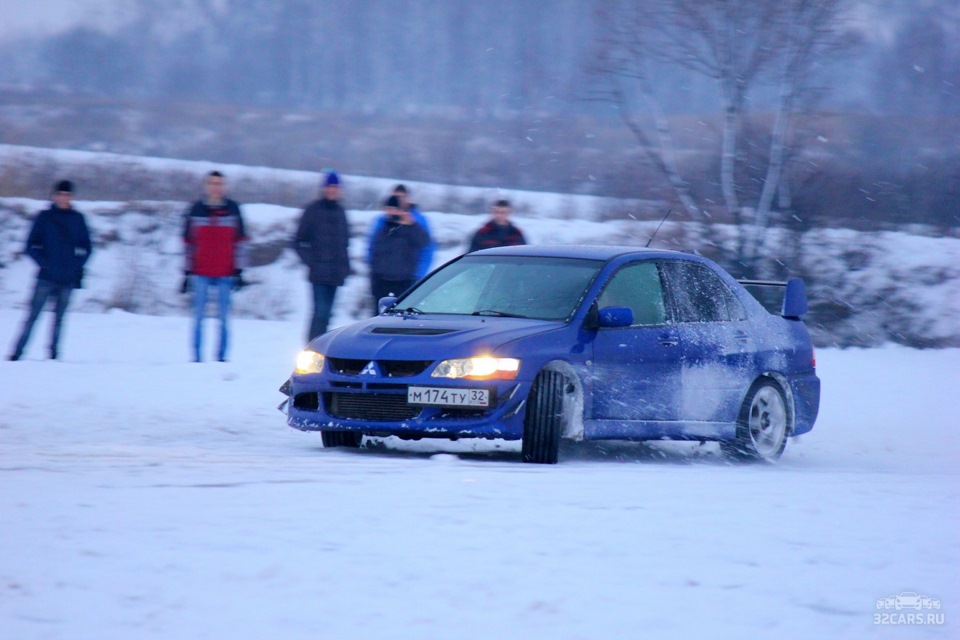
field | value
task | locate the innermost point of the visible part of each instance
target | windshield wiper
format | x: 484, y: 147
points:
x: 498, y: 314
x: 408, y: 311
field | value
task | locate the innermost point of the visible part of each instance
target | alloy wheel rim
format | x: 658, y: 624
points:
x: 768, y: 421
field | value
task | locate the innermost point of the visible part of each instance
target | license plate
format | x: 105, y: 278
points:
x: 447, y: 397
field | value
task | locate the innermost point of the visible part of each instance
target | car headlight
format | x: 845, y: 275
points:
x: 309, y: 362
x: 480, y: 368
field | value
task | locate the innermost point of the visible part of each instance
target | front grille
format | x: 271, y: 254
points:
x: 370, y: 406
x: 401, y: 368
x: 346, y: 366
x: 388, y: 368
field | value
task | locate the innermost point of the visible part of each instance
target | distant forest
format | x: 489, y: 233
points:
x: 531, y: 95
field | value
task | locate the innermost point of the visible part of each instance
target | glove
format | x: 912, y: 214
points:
x: 185, y: 285
x: 238, y: 281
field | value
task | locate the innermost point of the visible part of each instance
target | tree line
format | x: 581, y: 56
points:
x: 496, y: 56
x: 757, y: 112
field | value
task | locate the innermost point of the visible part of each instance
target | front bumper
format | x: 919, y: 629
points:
x: 319, y: 403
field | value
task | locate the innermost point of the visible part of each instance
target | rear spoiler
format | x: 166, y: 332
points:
x: 794, y: 298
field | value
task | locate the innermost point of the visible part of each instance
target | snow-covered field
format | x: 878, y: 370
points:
x: 145, y: 497
x: 148, y: 497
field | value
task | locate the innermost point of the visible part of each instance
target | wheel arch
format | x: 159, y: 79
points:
x: 573, y: 399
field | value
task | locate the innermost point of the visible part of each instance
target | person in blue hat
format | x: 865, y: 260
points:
x: 321, y: 242
x: 59, y: 242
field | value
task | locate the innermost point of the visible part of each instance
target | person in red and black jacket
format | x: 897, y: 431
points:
x: 215, y: 239
x: 499, y: 231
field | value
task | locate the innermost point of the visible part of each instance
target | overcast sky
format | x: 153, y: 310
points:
x: 40, y: 16
x: 44, y: 16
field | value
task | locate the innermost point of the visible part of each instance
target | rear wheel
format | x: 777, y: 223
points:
x: 349, y: 439
x: 543, y: 421
x: 763, y: 426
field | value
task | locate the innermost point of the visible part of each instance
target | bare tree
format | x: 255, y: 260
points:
x: 733, y: 42
x: 810, y: 32
x: 740, y: 44
x: 623, y: 57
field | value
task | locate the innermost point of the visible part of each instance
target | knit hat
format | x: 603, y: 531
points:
x: 332, y: 179
x: 64, y: 186
x: 392, y: 202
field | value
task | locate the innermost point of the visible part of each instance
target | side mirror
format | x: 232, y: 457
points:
x: 385, y: 303
x: 794, y: 300
x: 616, y: 317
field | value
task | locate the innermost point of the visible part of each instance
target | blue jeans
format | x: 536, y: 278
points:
x: 200, y: 286
x: 323, y: 295
x: 43, y: 290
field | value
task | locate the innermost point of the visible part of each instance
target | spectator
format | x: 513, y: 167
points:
x: 426, y: 254
x: 498, y: 231
x: 59, y: 242
x: 215, y: 238
x: 395, y: 250
x: 321, y: 242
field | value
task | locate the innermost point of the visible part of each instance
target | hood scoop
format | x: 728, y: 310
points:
x: 412, y: 331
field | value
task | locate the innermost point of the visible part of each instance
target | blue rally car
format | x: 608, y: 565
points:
x: 539, y: 343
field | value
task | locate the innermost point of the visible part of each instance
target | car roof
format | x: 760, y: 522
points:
x: 589, y: 252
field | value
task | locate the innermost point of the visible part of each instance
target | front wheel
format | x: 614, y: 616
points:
x: 763, y: 426
x: 349, y: 439
x: 543, y: 420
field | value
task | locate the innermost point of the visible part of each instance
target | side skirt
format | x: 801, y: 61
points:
x: 657, y: 430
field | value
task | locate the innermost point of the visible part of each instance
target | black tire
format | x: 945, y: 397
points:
x: 349, y: 439
x: 763, y: 425
x: 543, y: 420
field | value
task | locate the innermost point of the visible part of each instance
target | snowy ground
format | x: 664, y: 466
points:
x: 148, y: 497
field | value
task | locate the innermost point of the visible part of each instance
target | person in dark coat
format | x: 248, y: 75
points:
x: 321, y: 242
x: 59, y: 242
x: 395, y: 251
x: 498, y: 231
x: 426, y: 254
x: 215, y: 241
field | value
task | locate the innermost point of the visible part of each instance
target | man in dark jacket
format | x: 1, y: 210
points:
x: 395, y: 251
x: 215, y: 242
x: 321, y: 242
x: 59, y: 242
x: 498, y: 231
x: 426, y: 254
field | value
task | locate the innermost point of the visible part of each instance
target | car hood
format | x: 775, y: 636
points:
x: 426, y: 337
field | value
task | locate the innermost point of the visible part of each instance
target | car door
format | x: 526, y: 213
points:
x: 636, y: 369
x: 717, y: 343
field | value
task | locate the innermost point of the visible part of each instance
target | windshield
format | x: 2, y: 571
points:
x: 505, y: 286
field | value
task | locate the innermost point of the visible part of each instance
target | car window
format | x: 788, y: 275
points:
x: 459, y: 292
x: 699, y: 294
x: 525, y: 286
x: 637, y: 287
